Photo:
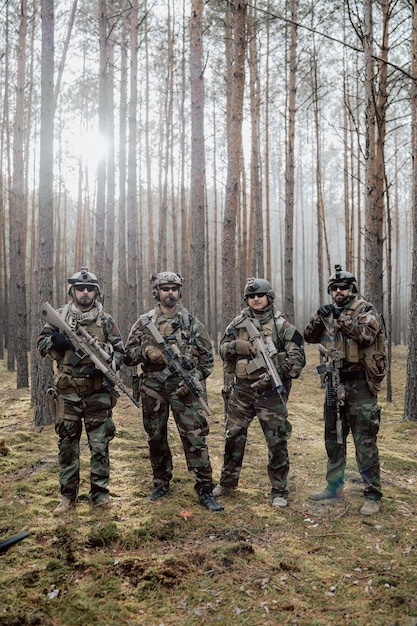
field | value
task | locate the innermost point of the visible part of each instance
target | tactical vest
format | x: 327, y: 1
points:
x: 355, y: 353
x: 277, y: 353
x: 175, y: 330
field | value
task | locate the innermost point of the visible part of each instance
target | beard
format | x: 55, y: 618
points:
x: 169, y: 301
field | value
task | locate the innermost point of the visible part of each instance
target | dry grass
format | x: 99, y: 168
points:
x: 312, y: 564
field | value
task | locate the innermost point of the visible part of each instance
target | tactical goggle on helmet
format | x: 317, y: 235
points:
x: 84, y: 277
x: 257, y: 286
x: 165, y: 278
x: 340, y: 276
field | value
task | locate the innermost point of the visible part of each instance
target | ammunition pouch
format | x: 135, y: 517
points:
x: 375, y: 370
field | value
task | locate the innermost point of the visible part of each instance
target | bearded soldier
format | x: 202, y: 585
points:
x: 163, y: 387
x: 253, y: 393
x: 82, y: 391
x: 351, y: 328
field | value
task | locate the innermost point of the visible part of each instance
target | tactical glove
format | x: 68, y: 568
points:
x: 182, y: 389
x: 155, y: 355
x: 61, y: 342
x: 325, y: 310
x: 262, y: 383
x: 243, y: 347
x: 127, y: 359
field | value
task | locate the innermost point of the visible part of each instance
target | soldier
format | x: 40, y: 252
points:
x: 82, y: 392
x: 252, y: 393
x: 162, y: 389
x: 352, y: 326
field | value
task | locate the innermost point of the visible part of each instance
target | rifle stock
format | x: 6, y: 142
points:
x: 174, y: 366
x: 262, y: 358
x: 86, y: 345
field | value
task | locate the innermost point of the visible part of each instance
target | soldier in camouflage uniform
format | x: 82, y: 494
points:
x: 162, y: 389
x: 351, y: 324
x: 252, y: 394
x: 82, y: 393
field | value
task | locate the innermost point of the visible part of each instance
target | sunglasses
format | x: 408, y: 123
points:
x: 166, y: 288
x: 341, y: 286
x: 81, y: 288
x: 256, y: 295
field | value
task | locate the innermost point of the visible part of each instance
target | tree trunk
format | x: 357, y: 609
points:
x: 198, y: 162
x: 410, y: 403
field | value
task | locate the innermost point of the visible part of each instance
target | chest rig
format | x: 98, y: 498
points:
x: 175, y: 330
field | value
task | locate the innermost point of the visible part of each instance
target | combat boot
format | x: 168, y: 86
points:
x: 326, y: 494
x: 64, y: 506
x: 208, y: 501
x: 371, y: 507
x: 104, y: 504
x: 222, y: 491
x: 159, y: 492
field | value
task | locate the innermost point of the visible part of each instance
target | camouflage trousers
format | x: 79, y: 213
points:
x: 95, y: 410
x: 157, y: 399
x: 244, y: 404
x: 361, y: 416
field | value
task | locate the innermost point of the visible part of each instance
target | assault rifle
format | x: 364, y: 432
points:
x: 11, y: 541
x: 264, y: 352
x: 175, y: 366
x: 86, y: 345
x: 335, y: 390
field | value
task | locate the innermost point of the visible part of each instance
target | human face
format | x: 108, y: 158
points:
x: 340, y: 292
x: 84, y: 295
x: 257, y: 301
x: 169, y: 295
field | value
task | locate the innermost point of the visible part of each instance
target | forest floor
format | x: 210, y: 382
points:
x: 172, y: 562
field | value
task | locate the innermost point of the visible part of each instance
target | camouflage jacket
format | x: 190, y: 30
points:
x: 286, y: 338
x: 357, y: 332
x: 181, y: 328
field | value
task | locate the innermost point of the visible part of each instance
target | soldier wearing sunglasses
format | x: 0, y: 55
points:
x: 162, y: 388
x: 82, y: 393
x: 351, y: 327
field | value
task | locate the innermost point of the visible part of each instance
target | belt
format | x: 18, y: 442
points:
x: 349, y: 376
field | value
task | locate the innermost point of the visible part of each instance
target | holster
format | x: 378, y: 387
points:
x: 51, y: 396
x: 137, y: 380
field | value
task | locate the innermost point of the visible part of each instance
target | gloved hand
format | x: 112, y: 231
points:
x: 286, y: 367
x: 61, y: 342
x: 127, y: 359
x: 155, y: 355
x: 325, y: 310
x: 243, y: 347
x: 182, y: 389
x: 262, y: 383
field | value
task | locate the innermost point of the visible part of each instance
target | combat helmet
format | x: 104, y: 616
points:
x: 165, y: 278
x: 83, y: 277
x: 258, y: 285
x: 341, y: 276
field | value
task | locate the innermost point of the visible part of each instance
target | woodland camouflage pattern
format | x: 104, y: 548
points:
x: 245, y: 402
x: 157, y: 397
x: 82, y: 395
x: 356, y: 332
